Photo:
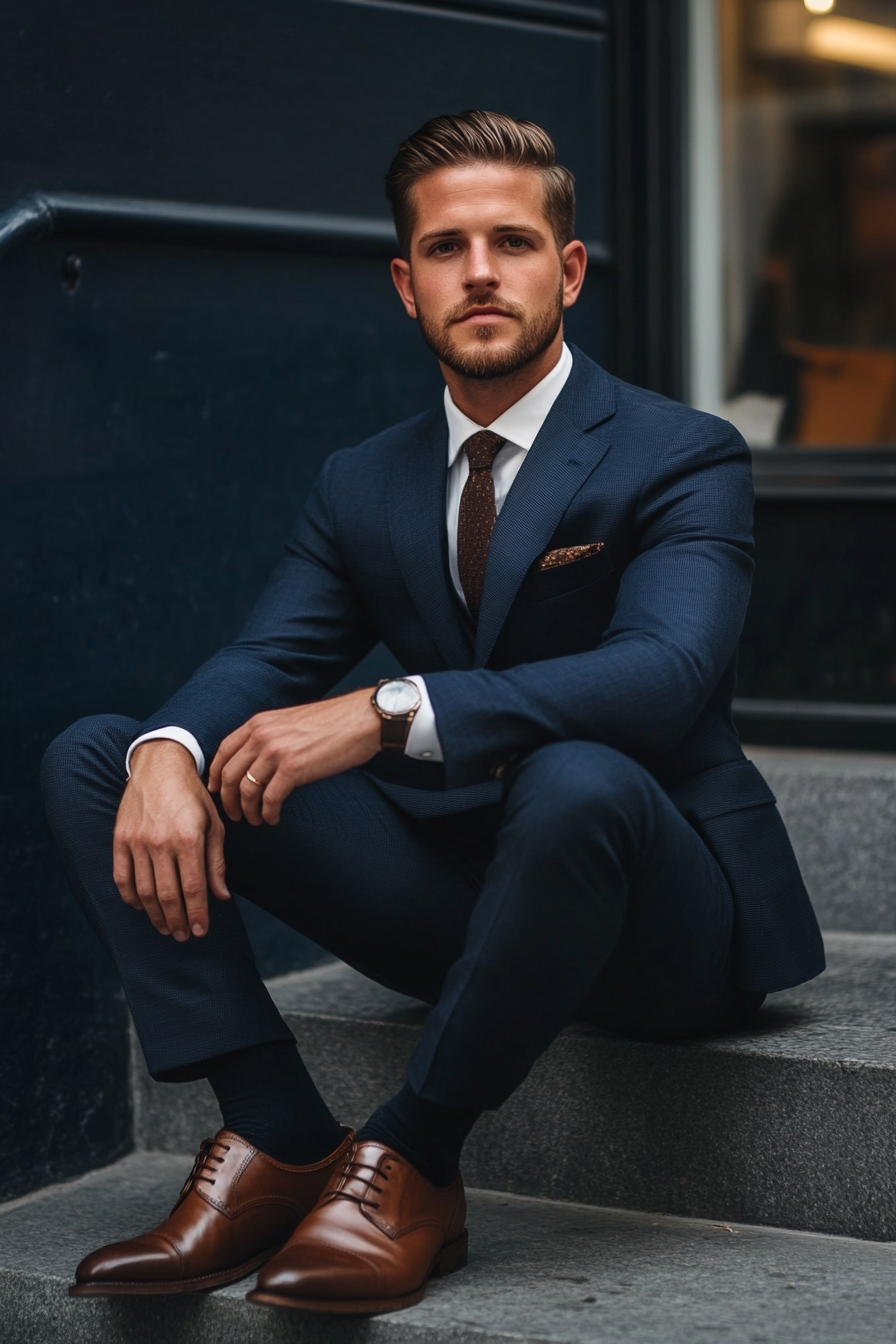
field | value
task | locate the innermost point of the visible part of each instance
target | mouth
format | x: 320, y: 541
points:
x: 483, y: 315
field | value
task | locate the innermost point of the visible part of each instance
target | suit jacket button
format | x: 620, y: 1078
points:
x: 498, y: 771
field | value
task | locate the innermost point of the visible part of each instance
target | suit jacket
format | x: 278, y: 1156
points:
x: 633, y: 646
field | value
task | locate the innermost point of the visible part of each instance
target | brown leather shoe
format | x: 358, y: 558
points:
x: 379, y: 1233
x: 236, y: 1209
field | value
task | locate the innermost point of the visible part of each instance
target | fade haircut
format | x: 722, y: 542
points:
x: 480, y: 137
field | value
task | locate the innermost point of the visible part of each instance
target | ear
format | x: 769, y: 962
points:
x: 401, y: 279
x: 574, y: 260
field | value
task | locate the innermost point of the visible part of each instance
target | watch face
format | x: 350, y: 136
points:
x: 398, y: 697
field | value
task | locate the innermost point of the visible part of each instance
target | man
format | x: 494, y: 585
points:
x: 550, y: 817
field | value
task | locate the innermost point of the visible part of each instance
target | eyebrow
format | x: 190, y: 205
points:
x: 497, y: 228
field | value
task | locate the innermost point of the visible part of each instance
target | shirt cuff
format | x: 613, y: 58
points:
x: 423, y: 738
x: 184, y: 738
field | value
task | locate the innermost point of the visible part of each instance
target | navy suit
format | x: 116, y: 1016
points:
x: 586, y: 719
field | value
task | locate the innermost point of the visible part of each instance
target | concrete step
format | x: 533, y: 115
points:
x: 790, y: 1124
x: 840, y: 810
x: 538, y: 1272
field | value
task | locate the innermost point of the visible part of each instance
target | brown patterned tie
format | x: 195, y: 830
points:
x: 476, y: 520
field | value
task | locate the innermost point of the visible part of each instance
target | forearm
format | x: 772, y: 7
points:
x: 285, y: 655
x: 641, y: 690
x: 635, y: 699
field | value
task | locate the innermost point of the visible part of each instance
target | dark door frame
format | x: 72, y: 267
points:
x: 649, y: 54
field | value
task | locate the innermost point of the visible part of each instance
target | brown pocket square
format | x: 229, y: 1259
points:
x: 567, y: 554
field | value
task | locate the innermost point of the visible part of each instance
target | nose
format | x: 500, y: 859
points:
x: 481, y: 272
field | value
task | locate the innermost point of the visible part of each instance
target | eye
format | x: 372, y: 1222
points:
x: 516, y: 242
x: 443, y: 249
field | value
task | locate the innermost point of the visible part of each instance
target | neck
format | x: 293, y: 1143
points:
x: 484, y: 399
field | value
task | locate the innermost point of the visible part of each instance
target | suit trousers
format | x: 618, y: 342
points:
x: 584, y: 893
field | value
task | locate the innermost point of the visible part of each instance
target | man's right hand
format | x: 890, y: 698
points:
x: 168, y: 847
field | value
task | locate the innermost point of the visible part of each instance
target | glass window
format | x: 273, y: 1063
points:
x: 808, y: 213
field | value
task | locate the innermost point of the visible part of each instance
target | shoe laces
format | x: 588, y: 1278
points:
x: 354, y: 1171
x: 205, y: 1166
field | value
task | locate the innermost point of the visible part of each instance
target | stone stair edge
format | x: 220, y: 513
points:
x: 89, y: 1179
x: 829, y: 759
x: 733, y: 1045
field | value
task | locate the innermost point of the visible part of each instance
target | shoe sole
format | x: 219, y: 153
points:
x: 450, y: 1259
x: 148, y: 1289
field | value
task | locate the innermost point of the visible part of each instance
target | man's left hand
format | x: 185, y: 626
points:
x: 282, y: 749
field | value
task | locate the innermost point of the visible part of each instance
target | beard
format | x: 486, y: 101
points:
x: 488, y: 359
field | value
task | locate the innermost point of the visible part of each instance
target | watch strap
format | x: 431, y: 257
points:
x: 394, y: 732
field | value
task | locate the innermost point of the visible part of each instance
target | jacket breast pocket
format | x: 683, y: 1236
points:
x: 542, y: 584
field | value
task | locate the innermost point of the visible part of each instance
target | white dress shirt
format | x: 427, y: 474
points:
x: 519, y: 426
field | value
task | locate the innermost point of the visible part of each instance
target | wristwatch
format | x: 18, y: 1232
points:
x: 396, y: 700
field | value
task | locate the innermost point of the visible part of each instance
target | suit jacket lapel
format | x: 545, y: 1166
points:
x: 419, y: 539
x: 560, y: 460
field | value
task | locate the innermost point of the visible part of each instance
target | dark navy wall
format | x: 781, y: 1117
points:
x: 161, y: 422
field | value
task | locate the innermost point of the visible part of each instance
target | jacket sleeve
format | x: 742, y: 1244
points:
x: 678, y: 616
x: 306, y: 631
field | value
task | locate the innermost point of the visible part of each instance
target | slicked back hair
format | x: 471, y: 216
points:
x: 480, y: 137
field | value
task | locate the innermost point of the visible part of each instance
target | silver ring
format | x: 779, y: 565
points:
x: 250, y: 776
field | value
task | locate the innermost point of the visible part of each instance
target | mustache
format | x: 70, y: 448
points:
x: 460, y: 310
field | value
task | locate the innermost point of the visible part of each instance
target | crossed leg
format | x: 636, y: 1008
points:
x: 586, y: 892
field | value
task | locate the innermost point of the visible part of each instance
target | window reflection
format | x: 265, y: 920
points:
x: 809, y: 99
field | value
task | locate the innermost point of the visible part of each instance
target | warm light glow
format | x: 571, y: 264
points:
x: 852, y: 42
x: 819, y: 6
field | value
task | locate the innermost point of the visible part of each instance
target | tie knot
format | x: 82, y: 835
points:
x: 482, y: 448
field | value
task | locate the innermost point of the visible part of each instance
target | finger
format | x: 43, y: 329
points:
x: 252, y: 790
x: 170, y: 896
x: 145, y: 884
x: 214, y: 771
x: 228, y: 748
x: 123, y: 873
x: 275, y: 795
x: 191, y: 872
x: 214, y: 861
x: 233, y: 780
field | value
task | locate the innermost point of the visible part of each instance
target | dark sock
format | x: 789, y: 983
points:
x: 428, y: 1135
x: 267, y: 1096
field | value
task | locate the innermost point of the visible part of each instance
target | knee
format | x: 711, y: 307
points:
x: 571, y: 781
x: 89, y: 753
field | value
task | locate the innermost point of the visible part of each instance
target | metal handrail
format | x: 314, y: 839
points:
x: 831, y: 711
x: 50, y: 214
x: 858, y: 475
x: 550, y: 16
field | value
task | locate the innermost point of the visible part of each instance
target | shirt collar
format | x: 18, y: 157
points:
x: 521, y: 422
